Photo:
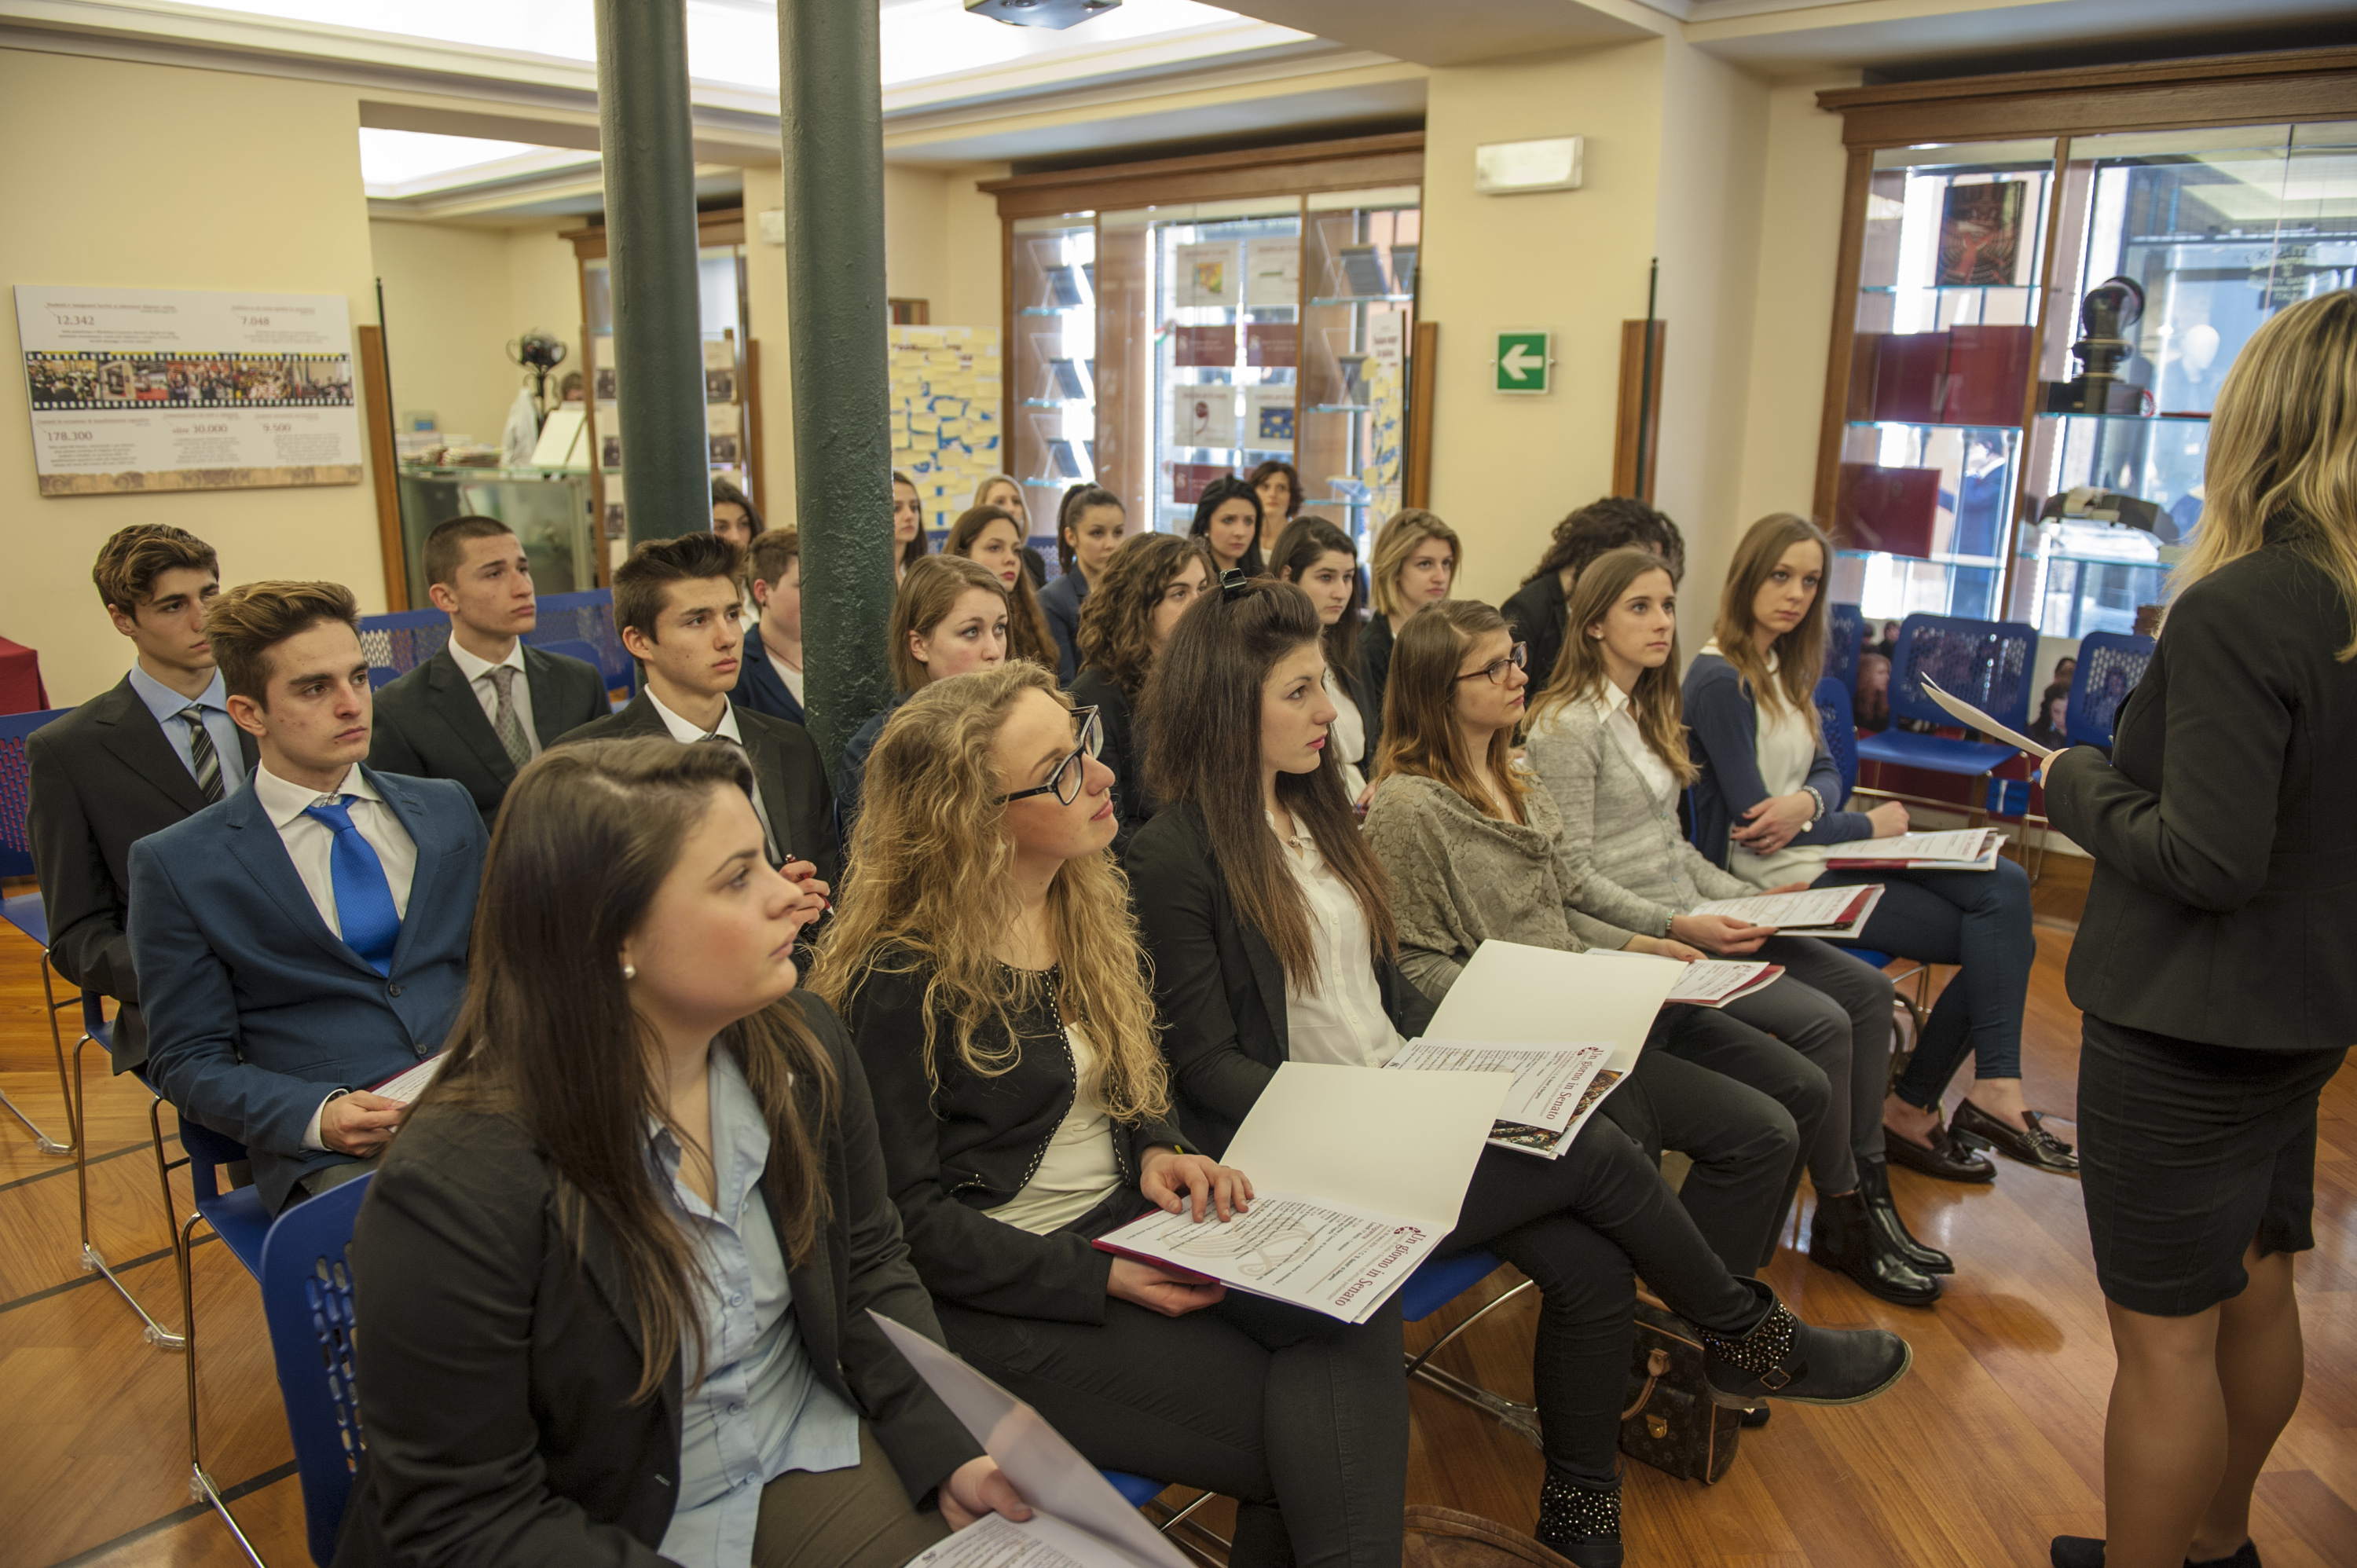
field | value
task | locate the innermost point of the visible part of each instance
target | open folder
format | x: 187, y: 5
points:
x: 1974, y: 719
x: 1357, y: 1175
x: 1078, y: 1521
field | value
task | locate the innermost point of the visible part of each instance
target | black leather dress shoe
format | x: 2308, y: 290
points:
x: 2086, y: 1551
x: 1874, y: 1184
x: 1945, y: 1158
x: 1843, y: 1238
x: 2036, y: 1147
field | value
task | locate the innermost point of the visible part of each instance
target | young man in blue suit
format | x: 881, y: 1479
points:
x: 306, y: 937
x: 769, y: 680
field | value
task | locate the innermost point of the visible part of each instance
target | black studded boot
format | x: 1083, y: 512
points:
x: 1784, y: 1357
x: 1580, y: 1522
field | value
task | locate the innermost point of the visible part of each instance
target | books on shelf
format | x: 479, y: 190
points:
x: 1839, y: 912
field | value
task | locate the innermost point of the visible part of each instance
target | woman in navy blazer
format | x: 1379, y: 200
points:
x: 1088, y: 530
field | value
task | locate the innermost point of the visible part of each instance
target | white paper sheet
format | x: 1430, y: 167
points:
x: 1811, y: 909
x: 996, y: 1541
x: 1976, y: 719
x: 407, y: 1086
x: 1714, y: 981
x: 1547, y: 1078
x: 1513, y: 995
x: 1334, y: 1258
x: 1957, y: 848
x: 1391, y: 1143
x: 1047, y: 1472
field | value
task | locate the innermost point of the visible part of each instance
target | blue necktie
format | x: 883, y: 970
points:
x: 363, y: 897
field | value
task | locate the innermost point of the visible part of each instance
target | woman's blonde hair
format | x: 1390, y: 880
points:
x: 929, y: 884
x: 2284, y: 439
x: 1579, y: 673
x: 1396, y: 542
x: 1800, y: 653
x: 927, y: 594
x: 1420, y: 732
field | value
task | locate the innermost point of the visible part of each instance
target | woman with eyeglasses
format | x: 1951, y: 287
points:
x: 1269, y: 923
x: 1151, y: 581
x: 1320, y: 559
x: 1608, y: 744
x: 950, y: 617
x: 1476, y: 854
x: 986, y: 959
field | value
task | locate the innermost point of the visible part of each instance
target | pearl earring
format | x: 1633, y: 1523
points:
x: 630, y: 972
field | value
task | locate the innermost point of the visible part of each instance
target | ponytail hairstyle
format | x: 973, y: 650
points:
x: 1579, y: 673
x: 1203, y: 709
x: 1077, y: 500
x: 1420, y: 731
x: 1800, y: 653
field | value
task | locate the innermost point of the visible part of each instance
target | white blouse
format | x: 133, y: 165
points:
x: 1079, y: 1169
x: 1342, y: 1021
x: 1347, y: 735
x: 1620, y: 724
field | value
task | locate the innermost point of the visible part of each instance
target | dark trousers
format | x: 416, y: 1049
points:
x: 1834, y: 1010
x: 1300, y: 1418
x: 1976, y: 919
x: 1742, y: 1107
x: 1581, y: 1227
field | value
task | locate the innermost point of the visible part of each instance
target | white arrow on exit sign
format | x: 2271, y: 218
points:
x: 1520, y: 362
x: 1524, y: 362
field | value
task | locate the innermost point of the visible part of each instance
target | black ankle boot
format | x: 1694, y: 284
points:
x: 1874, y: 1182
x: 1784, y: 1357
x: 1842, y: 1238
x: 1582, y: 1523
x: 2086, y: 1551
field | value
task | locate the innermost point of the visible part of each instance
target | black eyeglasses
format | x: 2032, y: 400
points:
x: 1519, y: 658
x: 1065, y: 782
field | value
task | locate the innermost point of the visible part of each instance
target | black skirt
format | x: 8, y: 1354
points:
x: 2187, y: 1153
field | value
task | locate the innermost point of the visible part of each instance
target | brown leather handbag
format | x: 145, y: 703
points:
x: 1670, y: 1422
x: 1444, y: 1538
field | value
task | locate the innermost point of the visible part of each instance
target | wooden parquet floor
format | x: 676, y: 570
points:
x: 1992, y: 1445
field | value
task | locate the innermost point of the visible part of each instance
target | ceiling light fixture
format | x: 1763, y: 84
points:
x: 1042, y: 13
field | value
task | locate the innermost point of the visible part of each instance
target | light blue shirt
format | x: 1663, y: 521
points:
x: 166, y: 704
x: 760, y: 1412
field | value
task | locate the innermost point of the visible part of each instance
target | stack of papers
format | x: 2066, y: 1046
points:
x: 1557, y: 1088
x: 1811, y: 912
x: 1716, y: 981
x: 407, y: 1086
x: 1962, y: 849
x: 1357, y: 1176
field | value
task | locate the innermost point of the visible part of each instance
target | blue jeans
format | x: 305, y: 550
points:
x: 1976, y: 919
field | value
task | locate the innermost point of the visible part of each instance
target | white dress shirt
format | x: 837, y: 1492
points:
x: 1347, y: 735
x: 1342, y: 1021
x: 1620, y: 724
x: 310, y: 843
x: 688, y: 733
x: 479, y: 681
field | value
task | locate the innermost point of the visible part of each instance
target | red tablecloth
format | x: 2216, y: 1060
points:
x: 20, y: 680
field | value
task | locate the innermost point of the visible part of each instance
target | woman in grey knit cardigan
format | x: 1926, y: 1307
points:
x: 1608, y: 744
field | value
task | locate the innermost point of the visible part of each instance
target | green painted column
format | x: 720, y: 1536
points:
x: 648, y: 144
x: 830, y: 120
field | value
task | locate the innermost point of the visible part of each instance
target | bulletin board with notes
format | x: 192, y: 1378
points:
x: 946, y: 383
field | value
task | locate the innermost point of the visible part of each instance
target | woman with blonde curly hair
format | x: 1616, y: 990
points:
x: 988, y: 965
x: 1152, y: 579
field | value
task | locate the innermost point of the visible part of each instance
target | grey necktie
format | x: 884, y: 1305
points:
x: 506, y: 722
x: 769, y: 844
x: 201, y: 755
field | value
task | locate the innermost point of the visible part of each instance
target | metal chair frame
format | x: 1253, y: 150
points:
x: 1512, y: 1414
x: 25, y: 911
x: 94, y: 1027
x: 236, y: 1217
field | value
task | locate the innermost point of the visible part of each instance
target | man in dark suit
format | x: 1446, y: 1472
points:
x: 486, y: 704
x: 305, y: 938
x: 154, y: 748
x: 770, y: 680
x: 676, y: 603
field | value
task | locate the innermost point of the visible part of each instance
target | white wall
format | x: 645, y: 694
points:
x: 96, y: 193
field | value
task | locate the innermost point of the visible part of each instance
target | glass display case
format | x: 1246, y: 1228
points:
x: 1358, y: 323
x: 1053, y: 359
x: 548, y: 513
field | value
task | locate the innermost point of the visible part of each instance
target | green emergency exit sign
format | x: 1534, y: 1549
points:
x: 1524, y: 362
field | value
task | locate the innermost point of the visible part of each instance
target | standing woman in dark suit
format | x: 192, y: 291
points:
x: 1152, y: 580
x: 614, y: 1276
x: 2214, y: 964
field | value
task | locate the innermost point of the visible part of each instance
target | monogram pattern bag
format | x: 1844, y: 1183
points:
x: 1669, y: 1420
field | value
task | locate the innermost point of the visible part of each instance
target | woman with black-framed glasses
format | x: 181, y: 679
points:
x: 987, y: 963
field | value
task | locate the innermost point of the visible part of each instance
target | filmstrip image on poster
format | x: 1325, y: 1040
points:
x: 134, y: 390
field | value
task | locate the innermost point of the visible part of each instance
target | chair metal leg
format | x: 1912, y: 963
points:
x: 41, y: 1140
x: 92, y: 1260
x: 1511, y: 1414
x: 202, y: 1489
x: 1182, y: 1529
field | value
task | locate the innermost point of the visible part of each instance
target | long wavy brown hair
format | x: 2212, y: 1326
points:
x: 548, y: 1037
x: 1304, y: 541
x: 2284, y: 440
x: 1116, y: 634
x: 929, y: 884
x: 928, y: 593
x: 1420, y: 732
x: 1028, y: 636
x: 1580, y: 674
x: 1800, y: 653
x: 1203, y: 709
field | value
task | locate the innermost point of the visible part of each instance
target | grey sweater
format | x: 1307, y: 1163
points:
x: 1623, y: 858
x: 1461, y: 878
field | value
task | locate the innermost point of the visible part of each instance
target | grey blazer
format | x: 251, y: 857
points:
x: 1624, y: 860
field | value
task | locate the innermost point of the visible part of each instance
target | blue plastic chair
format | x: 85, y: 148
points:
x: 1437, y: 1282
x: 1984, y: 663
x: 95, y: 1025
x: 588, y: 616
x: 1137, y: 1492
x: 2095, y: 698
x: 1844, y: 637
x: 401, y: 641
x: 238, y: 1217
x: 307, y: 1299
x: 25, y: 911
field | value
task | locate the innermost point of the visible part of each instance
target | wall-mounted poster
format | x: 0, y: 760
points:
x: 1980, y: 233
x: 1273, y: 271
x: 1206, y: 274
x: 1268, y: 417
x: 1203, y: 415
x: 181, y: 390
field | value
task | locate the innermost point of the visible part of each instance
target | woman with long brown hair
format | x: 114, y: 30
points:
x: 1607, y: 740
x: 1002, y: 492
x: 992, y: 538
x: 908, y: 543
x: 1416, y: 562
x: 950, y: 617
x: 1768, y: 806
x: 2213, y: 964
x: 1269, y: 922
x: 614, y: 1277
x: 987, y: 960
x: 1088, y: 524
x: 1152, y: 580
x: 1229, y: 520
x: 1320, y: 559
x: 1278, y: 484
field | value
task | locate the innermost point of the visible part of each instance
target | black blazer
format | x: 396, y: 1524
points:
x: 969, y: 1144
x: 1369, y: 700
x: 1124, y: 753
x: 1536, y: 614
x: 1216, y: 984
x: 785, y: 764
x: 1375, y: 640
x: 759, y: 686
x: 2225, y: 902
x: 428, y: 724
x: 103, y: 778
x: 497, y: 1371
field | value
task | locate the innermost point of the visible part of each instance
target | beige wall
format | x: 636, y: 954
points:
x: 455, y: 296
x: 268, y: 196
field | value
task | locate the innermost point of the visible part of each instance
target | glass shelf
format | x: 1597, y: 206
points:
x: 1340, y: 407
x: 1057, y: 403
x: 2141, y: 563
x: 1927, y: 424
x: 1052, y: 309
x: 2179, y: 418
x: 1364, y: 299
x: 1979, y: 563
x: 1949, y: 288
